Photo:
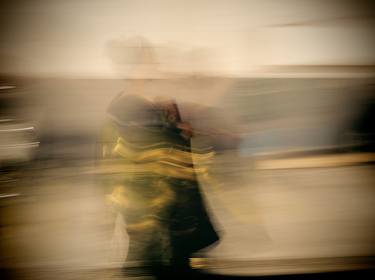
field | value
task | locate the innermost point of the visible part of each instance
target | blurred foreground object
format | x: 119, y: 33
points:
x: 17, y: 135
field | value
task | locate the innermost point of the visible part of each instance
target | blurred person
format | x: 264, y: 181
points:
x: 157, y: 192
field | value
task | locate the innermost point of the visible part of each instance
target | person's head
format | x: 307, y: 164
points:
x: 133, y: 57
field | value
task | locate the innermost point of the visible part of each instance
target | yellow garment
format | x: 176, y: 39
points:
x: 163, y: 161
x: 160, y: 154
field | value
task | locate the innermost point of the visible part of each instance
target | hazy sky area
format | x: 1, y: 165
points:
x: 70, y: 38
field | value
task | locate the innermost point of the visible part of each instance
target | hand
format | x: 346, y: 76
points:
x: 186, y: 130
